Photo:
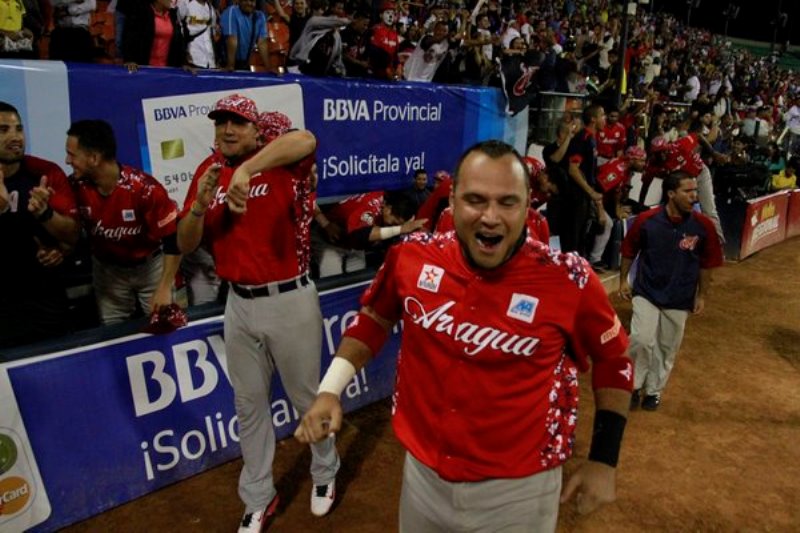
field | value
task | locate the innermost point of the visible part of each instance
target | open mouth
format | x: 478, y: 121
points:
x: 488, y: 242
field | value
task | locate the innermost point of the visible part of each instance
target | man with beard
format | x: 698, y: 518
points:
x: 490, y: 319
x: 37, y: 210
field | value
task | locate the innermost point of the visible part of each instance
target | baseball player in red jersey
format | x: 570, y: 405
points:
x: 253, y: 206
x: 131, y: 223
x: 610, y: 178
x: 611, y: 138
x: 37, y: 209
x: 496, y: 328
x: 438, y: 200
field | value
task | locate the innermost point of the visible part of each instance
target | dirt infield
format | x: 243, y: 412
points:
x: 720, y: 454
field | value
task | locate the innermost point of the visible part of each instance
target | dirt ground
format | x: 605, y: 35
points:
x: 719, y: 455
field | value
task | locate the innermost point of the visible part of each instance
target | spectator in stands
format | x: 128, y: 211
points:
x: 318, y: 52
x: 420, y: 190
x: 786, y: 178
x: 130, y: 221
x: 756, y: 125
x: 428, y: 55
x: 775, y: 161
x: 479, y: 59
x: 244, y: 30
x: 792, y: 120
x: 153, y: 36
x: 16, y: 40
x: 37, y: 210
x: 200, y: 30
x: 384, y: 40
x: 71, y: 40
x: 354, y: 46
x: 296, y: 21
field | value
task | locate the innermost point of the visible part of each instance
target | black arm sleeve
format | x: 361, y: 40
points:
x: 170, y: 244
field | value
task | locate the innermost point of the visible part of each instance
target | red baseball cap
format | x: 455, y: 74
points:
x: 238, y: 105
x: 635, y: 152
x: 534, y: 166
x: 272, y: 124
x: 387, y: 6
x: 658, y: 144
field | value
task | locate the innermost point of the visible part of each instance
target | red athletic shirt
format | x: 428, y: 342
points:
x: 356, y: 212
x: 485, y: 388
x: 271, y: 241
x: 611, y: 140
x: 127, y: 225
x: 537, y: 225
x: 438, y: 200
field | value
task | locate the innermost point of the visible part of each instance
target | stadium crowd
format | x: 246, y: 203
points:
x: 692, y: 102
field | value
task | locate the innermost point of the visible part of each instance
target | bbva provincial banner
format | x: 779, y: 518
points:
x: 88, y: 429
x: 371, y: 135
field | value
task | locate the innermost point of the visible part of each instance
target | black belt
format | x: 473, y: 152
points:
x: 271, y: 289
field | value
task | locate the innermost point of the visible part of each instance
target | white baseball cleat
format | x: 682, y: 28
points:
x: 322, y: 497
x: 256, y: 521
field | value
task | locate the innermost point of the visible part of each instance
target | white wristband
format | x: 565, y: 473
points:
x: 388, y: 233
x: 337, y: 377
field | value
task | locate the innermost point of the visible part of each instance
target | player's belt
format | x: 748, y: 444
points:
x: 270, y: 289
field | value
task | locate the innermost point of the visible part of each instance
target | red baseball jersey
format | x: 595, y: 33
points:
x: 538, y: 227
x: 436, y: 202
x: 356, y: 212
x: 271, y: 241
x: 127, y: 225
x: 613, y: 174
x: 611, y: 140
x: 487, y: 375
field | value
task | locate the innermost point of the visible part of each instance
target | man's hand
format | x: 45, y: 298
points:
x: 699, y: 305
x: 5, y: 197
x: 162, y: 297
x: 593, y: 485
x: 207, y: 185
x: 322, y: 419
x: 412, y: 225
x: 625, y: 289
x: 333, y: 232
x: 238, y: 191
x: 48, y: 256
x: 40, y: 197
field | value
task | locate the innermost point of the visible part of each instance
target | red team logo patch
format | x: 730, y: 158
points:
x: 430, y: 277
x: 689, y: 242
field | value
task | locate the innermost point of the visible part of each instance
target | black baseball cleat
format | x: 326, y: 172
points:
x: 651, y: 402
x: 636, y: 399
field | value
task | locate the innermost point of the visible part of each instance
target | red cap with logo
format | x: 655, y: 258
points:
x: 635, y: 152
x: 238, y: 105
x: 272, y: 124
